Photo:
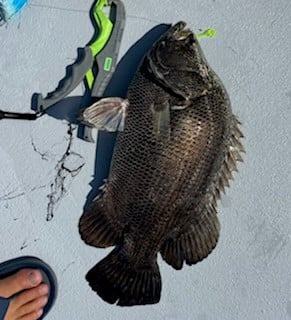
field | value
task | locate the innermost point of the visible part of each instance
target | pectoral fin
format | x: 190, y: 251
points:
x: 161, y: 120
x: 106, y: 114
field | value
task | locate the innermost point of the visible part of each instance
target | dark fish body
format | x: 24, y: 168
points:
x: 176, y: 153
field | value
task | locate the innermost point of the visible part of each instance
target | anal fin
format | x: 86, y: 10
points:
x: 194, y: 243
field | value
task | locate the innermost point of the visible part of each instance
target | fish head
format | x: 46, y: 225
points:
x: 178, y: 63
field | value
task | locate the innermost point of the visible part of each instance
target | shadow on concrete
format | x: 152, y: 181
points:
x: 118, y: 87
x: 70, y: 107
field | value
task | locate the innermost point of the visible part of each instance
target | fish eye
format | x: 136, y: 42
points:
x: 163, y: 43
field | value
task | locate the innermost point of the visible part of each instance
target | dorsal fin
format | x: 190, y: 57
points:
x: 196, y: 241
x: 230, y: 161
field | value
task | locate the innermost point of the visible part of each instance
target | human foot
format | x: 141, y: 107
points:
x: 29, y: 294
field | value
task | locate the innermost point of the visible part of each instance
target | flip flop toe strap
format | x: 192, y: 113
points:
x: 4, y: 304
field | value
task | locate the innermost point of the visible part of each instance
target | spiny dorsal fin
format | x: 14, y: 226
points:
x: 232, y: 157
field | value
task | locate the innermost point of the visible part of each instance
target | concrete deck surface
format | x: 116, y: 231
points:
x: 248, y: 275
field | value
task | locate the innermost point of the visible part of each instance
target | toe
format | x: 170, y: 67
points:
x: 30, y: 295
x: 34, y: 306
x: 23, y: 279
x: 33, y: 315
x: 28, y: 304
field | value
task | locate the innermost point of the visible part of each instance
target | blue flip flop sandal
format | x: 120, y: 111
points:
x: 10, y: 267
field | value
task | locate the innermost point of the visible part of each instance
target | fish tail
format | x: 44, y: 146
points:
x: 116, y: 280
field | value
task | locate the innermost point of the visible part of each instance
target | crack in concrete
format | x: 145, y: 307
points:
x: 67, y: 267
x: 232, y: 49
x: 58, y: 8
x: 37, y: 188
x: 44, y: 155
x: 63, y: 171
x: 24, y: 245
x: 9, y: 195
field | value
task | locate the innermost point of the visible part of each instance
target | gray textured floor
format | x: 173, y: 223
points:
x: 248, y: 275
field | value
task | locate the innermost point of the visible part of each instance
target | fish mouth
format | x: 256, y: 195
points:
x: 180, y: 31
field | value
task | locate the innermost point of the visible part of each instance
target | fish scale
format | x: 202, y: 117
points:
x: 174, y: 156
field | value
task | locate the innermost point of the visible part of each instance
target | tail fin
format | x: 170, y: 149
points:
x: 115, y: 280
